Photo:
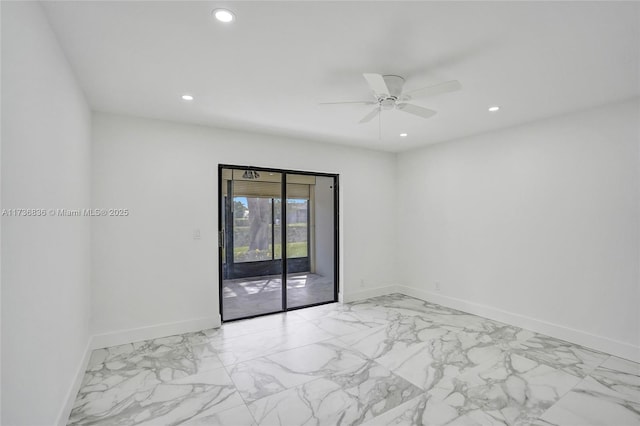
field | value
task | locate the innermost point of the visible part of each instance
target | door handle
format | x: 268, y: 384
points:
x: 221, y: 239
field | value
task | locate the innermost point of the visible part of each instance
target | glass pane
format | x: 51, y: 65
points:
x: 310, y: 248
x: 277, y: 233
x: 297, y: 227
x: 252, y: 229
x: 252, y: 275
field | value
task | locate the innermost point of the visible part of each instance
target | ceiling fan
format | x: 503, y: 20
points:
x: 388, y: 94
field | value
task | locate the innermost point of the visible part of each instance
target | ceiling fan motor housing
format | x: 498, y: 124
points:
x: 387, y: 103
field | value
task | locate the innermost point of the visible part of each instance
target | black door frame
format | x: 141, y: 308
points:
x: 336, y: 234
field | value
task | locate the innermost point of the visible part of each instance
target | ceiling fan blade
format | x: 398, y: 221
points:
x: 416, y: 110
x: 446, y: 87
x: 347, y: 102
x: 377, y: 84
x: 367, y: 118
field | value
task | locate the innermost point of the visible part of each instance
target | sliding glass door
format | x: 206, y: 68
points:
x: 310, y: 240
x: 260, y: 208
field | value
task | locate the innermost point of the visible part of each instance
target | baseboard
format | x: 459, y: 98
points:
x: 599, y: 343
x: 65, y: 412
x: 366, y: 294
x: 153, y: 332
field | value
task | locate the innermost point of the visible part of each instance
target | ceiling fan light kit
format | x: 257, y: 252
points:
x: 251, y: 174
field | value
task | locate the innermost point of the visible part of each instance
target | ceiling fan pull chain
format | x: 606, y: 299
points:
x: 379, y: 123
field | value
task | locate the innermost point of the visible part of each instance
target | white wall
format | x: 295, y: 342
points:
x: 324, y: 226
x: 147, y: 269
x: 537, y: 225
x: 45, y: 261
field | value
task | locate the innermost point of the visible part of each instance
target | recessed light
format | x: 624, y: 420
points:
x: 494, y: 108
x: 223, y: 15
x: 187, y: 97
x: 403, y: 135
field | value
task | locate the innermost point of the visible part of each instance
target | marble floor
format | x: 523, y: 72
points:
x: 245, y: 297
x: 391, y: 360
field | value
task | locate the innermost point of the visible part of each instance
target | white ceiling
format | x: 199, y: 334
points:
x: 268, y: 70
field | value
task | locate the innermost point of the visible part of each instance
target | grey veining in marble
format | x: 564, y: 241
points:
x: 348, y: 398
x: 610, y: 395
x: 265, y: 376
x: 390, y: 360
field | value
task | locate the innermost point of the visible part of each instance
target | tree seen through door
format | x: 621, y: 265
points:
x: 257, y: 225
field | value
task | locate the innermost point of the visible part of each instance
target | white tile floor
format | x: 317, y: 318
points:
x: 392, y: 360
